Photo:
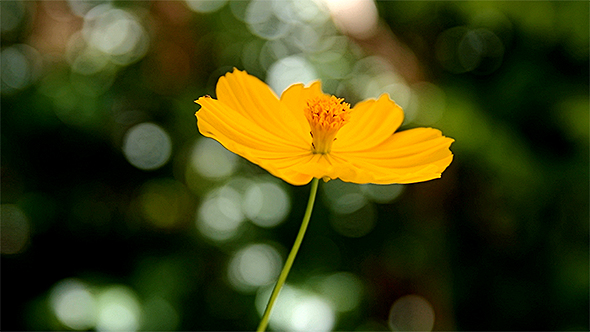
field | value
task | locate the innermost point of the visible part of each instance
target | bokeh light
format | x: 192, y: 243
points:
x: 289, y: 70
x: 147, y: 146
x: 355, y: 17
x: 269, y: 19
x: 344, y: 197
x: 205, y: 6
x: 115, y: 32
x: 373, y: 76
x: 21, y: 65
x: 81, y: 7
x: 254, y: 266
x: 266, y: 204
x: 211, y: 160
x: 74, y: 304
x: 297, y: 310
x: 382, y: 193
x: 16, y: 229
x: 343, y: 289
x: 353, y: 214
x: 83, y: 59
x: 118, y: 309
x: 220, y: 215
x: 312, y: 314
x: 411, y: 313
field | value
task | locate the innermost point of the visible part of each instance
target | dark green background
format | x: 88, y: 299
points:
x: 499, y: 243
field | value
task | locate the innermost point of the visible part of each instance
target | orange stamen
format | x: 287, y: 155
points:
x: 326, y: 115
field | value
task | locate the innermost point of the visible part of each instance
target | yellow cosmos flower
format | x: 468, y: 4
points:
x: 307, y: 134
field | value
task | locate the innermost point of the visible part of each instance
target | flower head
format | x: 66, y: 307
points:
x: 307, y: 134
x: 326, y: 115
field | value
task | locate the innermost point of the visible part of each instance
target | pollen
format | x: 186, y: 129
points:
x: 326, y: 115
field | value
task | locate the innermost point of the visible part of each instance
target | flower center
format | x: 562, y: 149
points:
x: 326, y: 115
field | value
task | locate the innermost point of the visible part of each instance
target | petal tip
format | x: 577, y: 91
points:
x: 314, y: 83
x: 385, y: 95
x: 201, y: 99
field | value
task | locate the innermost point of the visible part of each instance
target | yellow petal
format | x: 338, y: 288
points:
x: 239, y: 133
x: 290, y: 175
x: 284, y: 166
x: 324, y: 166
x: 410, y: 156
x: 249, y: 120
x: 217, y: 119
x: 254, y: 100
x: 296, y: 96
x: 371, y: 123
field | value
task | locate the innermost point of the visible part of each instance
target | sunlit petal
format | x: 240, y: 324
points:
x: 287, y: 168
x: 307, y: 134
x: 409, y: 156
x: 327, y: 166
x: 294, y: 178
x: 215, y: 118
x: 296, y: 96
x: 371, y: 122
x: 254, y: 100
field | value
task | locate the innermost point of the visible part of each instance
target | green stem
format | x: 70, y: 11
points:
x: 291, y: 257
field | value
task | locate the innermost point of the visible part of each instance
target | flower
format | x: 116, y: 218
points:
x: 307, y: 134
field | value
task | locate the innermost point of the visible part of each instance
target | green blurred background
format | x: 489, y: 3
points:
x: 118, y: 215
